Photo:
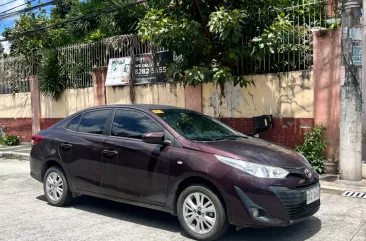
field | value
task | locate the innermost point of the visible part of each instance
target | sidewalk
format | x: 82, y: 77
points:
x: 332, y: 183
x: 21, y: 151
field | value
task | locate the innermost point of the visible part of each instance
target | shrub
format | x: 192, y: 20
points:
x: 52, y: 78
x: 11, y: 141
x: 313, y: 146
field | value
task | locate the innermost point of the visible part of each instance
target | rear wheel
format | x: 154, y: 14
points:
x: 201, y: 213
x: 56, y: 187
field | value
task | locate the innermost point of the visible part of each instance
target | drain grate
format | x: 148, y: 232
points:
x: 354, y: 194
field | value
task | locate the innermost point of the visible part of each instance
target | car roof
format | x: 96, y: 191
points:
x: 147, y: 107
x: 144, y: 107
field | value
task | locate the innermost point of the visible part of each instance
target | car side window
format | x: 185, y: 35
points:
x: 93, y: 122
x: 74, y: 123
x: 133, y: 124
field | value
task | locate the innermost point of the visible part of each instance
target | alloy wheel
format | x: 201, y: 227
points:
x: 199, y: 213
x: 54, y: 186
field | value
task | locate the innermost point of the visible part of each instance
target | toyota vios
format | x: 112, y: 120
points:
x: 175, y: 160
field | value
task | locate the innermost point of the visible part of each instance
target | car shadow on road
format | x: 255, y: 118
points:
x: 165, y: 221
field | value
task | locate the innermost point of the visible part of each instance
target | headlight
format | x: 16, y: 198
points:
x: 254, y: 169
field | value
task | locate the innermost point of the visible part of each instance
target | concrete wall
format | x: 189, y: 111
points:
x: 16, y: 115
x: 15, y: 106
x: 289, y: 97
x: 282, y: 95
x: 19, y: 105
x: 162, y: 93
x: 72, y: 101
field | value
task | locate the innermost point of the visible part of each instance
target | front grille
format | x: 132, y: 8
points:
x: 307, y: 184
x: 295, y: 202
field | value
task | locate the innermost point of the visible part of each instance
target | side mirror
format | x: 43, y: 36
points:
x: 155, y: 138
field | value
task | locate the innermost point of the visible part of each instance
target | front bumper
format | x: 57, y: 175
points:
x: 294, y: 202
x: 268, y: 195
x: 289, y: 208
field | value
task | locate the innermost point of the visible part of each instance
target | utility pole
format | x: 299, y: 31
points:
x: 350, y: 153
x: 363, y: 83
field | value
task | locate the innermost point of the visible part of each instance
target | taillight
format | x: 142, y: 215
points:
x: 36, y: 139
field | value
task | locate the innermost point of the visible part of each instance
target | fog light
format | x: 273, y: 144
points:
x: 255, y: 213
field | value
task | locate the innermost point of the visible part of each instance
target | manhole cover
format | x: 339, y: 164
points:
x: 354, y: 194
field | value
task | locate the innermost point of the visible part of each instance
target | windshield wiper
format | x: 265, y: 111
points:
x: 230, y: 137
x: 202, y: 139
x: 239, y: 136
x: 225, y: 138
x: 220, y: 138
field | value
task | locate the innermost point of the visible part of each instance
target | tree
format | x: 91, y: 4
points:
x: 122, y: 20
x: 63, y: 8
x: 36, y: 39
x: 209, y: 35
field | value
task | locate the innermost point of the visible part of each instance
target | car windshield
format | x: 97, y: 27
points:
x: 195, y: 126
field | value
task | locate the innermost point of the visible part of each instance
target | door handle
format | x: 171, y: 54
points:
x: 108, y: 153
x: 66, y: 146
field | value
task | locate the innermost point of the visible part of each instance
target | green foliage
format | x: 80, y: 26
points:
x: 271, y: 39
x: 208, y: 52
x: 171, y: 32
x: 29, y: 45
x: 11, y: 141
x: 209, y: 36
x: 227, y: 25
x: 52, y: 78
x: 313, y: 147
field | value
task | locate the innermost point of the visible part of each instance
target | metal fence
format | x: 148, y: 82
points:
x: 305, y: 16
x: 14, y: 75
x: 80, y: 59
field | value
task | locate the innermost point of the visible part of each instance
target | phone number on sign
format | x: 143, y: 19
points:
x: 160, y: 70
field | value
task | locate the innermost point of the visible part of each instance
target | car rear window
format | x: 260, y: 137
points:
x: 133, y: 124
x: 74, y: 123
x: 93, y: 122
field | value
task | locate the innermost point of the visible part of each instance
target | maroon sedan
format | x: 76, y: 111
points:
x: 175, y: 160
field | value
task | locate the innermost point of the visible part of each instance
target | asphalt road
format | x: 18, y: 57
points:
x: 25, y: 215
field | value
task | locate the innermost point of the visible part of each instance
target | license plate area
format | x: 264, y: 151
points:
x: 312, y: 194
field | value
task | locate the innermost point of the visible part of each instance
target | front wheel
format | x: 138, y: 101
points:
x: 201, y: 213
x: 56, y: 187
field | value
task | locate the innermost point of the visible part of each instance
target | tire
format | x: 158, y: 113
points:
x: 206, y: 230
x: 53, y: 181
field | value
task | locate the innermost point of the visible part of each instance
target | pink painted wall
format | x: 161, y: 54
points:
x: 331, y: 7
x: 99, y: 76
x: 327, y: 63
x: 35, y: 104
x: 193, y: 98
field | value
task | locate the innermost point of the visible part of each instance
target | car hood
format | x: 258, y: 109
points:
x: 256, y: 150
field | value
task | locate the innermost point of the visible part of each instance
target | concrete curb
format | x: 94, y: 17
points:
x: 14, y: 155
x: 334, y: 190
x: 332, y: 183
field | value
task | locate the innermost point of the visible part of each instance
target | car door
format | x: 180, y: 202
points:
x: 81, y: 148
x: 133, y: 169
